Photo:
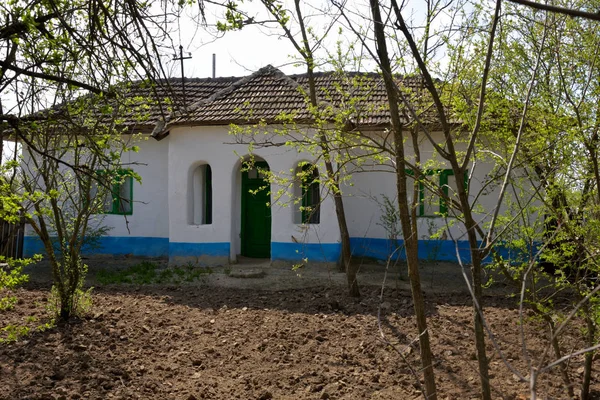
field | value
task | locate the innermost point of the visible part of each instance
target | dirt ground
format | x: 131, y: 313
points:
x: 262, y: 332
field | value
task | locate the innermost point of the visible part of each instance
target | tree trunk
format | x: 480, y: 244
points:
x: 408, y: 233
x: 558, y: 355
x: 306, y: 52
x: 65, y: 312
x: 350, y: 268
x: 332, y: 176
x: 482, y: 360
x: 412, y: 259
x: 476, y: 273
x: 589, y: 356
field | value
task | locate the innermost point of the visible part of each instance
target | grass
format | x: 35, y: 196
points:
x: 147, y: 272
x: 8, y: 303
x: 11, y: 333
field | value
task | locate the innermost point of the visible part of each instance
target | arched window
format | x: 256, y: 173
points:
x: 202, y: 195
x: 310, y: 192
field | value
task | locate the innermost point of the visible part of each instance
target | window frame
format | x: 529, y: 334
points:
x: 310, y: 188
x: 115, y: 192
x: 442, y: 206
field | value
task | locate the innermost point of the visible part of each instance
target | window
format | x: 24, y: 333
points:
x: 431, y: 204
x: 202, y: 195
x: 207, y: 195
x: 448, y: 183
x: 429, y: 200
x: 119, y: 200
x: 311, y: 196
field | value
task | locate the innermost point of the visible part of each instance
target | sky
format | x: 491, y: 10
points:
x: 240, y: 53
x: 235, y: 55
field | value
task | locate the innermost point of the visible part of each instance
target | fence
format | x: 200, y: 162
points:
x: 11, y: 239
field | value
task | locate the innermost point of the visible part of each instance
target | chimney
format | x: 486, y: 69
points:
x: 214, y: 65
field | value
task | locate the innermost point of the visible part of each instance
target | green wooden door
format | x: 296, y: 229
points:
x: 256, y: 214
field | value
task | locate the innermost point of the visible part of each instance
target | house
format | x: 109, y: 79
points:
x: 198, y: 203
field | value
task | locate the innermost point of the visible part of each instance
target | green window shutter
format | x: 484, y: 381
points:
x: 120, y: 199
x: 449, y: 187
x: 122, y: 193
x: 311, y: 196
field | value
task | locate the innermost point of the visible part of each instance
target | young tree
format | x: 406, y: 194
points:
x: 547, y: 98
x: 407, y: 218
x: 454, y: 149
x: 327, y: 141
x: 71, y: 175
x: 67, y: 57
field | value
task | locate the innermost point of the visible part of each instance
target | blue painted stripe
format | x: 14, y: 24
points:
x: 116, y: 245
x: 381, y: 249
x: 314, y: 252
x: 180, y: 249
x: 429, y: 250
x: 32, y: 245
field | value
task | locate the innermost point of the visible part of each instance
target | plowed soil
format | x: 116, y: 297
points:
x: 211, y: 342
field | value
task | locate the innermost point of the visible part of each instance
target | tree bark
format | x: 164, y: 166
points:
x: 589, y: 356
x: 476, y: 273
x: 346, y: 255
x: 564, y: 372
x: 409, y: 234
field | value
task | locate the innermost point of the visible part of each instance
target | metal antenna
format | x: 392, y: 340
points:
x: 180, y: 59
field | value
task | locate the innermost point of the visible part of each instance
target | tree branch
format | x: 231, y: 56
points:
x: 560, y: 10
x: 18, y: 28
x: 54, y: 78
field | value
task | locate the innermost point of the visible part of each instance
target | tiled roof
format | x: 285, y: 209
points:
x: 268, y: 94
x: 264, y: 96
x: 141, y: 104
x: 162, y: 98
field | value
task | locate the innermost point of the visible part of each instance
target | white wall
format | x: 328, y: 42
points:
x: 190, y: 146
x: 371, y: 181
x: 150, y: 216
x: 150, y: 207
x: 162, y: 203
